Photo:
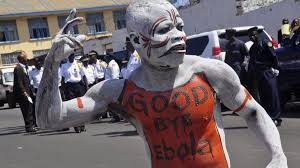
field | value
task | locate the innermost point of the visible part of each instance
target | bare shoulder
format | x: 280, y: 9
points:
x: 109, y: 90
x: 218, y: 73
x: 205, y: 65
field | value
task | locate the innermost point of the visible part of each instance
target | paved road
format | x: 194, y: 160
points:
x: 107, y: 145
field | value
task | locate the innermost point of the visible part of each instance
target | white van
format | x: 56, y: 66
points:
x: 6, y: 87
x: 209, y: 44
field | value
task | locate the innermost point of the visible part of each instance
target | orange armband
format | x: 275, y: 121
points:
x: 248, y: 97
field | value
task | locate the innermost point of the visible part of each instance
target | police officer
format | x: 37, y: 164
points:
x: 262, y: 66
x: 99, y: 66
x: 112, y: 72
x: 87, y: 72
x: 134, y: 60
x: 35, y: 75
x: 73, y: 84
x: 236, y: 54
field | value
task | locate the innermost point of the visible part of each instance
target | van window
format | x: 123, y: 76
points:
x: 243, y: 35
x: 196, y: 46
x: 8, y: 76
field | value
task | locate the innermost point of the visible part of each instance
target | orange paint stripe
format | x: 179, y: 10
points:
x: 79, y: 103
x: 248, y: 97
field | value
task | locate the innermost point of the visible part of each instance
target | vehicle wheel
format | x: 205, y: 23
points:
x: 11, y: 101
x: 1, y: 103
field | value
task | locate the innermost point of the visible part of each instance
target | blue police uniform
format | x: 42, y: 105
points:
x: 262, y: 60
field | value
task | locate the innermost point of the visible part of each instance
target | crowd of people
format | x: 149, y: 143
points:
x: 288, y: 33
x: 76, y: 77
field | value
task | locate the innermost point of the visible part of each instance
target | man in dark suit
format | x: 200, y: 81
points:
x: 23, y: 93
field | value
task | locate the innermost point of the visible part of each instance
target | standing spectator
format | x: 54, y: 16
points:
x: 294, y: 25
x: 284, y: 33
x: 23, y: 93
x: 87, y: 72
x: 236, y: 54
x: 35, y: 75
x: 112, y: 72
x: 134, y: 60
x: 262, y: 65
x: 73, y: 84
x: 99, y: 66
x: 296, y: 32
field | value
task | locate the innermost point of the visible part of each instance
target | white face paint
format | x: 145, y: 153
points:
x: 161, y: 36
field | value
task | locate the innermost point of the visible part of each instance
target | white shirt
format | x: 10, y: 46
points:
x: 71, y: 72
x: 99, y: 69
x: 133, y: 63
x: 112, y: 70
x: 88, y: 72
x: 35, y: 77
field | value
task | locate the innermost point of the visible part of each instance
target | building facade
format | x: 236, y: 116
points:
x: 31, y: 25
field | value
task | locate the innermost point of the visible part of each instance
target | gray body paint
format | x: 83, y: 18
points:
x: 155, y: 74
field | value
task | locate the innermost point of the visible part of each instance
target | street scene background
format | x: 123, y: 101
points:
x: 113, y: 145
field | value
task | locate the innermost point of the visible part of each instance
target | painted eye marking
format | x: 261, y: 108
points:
x: 173, y: 17
x: 148, y: 43
x: 155, y: 24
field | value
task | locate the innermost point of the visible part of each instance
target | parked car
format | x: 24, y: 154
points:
x: 6, y: 87
x: 289, y: 72
x: 211, y: 44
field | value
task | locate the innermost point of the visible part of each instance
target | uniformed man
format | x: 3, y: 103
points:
x: 87, y: 72
x: 99, y: 66
x: 112, y: 71
x: 134, y: 60
x: 35, y: 75
x: 262, y: 67
x: 73, y: 84
x: 236, y: 54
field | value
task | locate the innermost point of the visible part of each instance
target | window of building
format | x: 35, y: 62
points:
x: 62, y: 21
x: 95, y: 23
x: 38, y: 28
x: 8, y: 31
x: 9, y: 58
x: 119, y: 18
x: 38, y: 53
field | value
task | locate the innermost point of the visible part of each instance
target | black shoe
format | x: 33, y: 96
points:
x: 31, y: 130
x: 77, y: 129
x: 277, y: 122
x: 82, y: 128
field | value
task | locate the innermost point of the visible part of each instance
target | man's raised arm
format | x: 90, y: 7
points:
x: 233, y: 95
x: 49, y: 103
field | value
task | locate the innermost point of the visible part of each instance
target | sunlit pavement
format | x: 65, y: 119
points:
x: 116, y: 145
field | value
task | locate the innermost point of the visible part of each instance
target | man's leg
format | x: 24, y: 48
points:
x: 26, y: 109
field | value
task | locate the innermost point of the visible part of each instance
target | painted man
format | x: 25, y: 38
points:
x: 172, y: 98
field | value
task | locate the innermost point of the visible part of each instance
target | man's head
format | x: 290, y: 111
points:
x: 129, y: 45
x: 230, y: 33
x: 93, y: 57
x: 71, y: 58
x: 253, y: 34
x: 38, y: 63
x: 22, y: 57
x: 155, y: 29
x: 285, y: 21
x: 85, y: 60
